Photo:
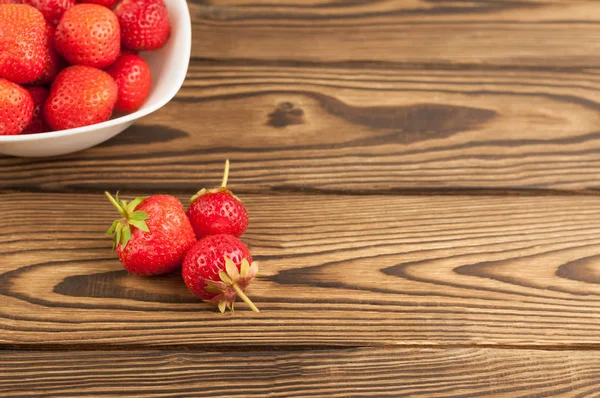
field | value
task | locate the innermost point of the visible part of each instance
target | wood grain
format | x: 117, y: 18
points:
x: 508, y: 33
x: 339, y: 373
x: 340, y: 129
x: 336, y: 271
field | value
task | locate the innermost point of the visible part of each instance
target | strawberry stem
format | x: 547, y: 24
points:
x: 116, y: 204
x: 225, y: 174
x: 243, y: 296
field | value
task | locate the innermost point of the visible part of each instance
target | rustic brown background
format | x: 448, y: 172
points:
x: 422, y: 178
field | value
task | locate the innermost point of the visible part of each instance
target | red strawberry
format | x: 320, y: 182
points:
x: 105, y: 3
x: 133, y: 77
x: 16, y: 108
x: 37, y: 124
x: 80, y: 96
x: 54, y: 63
x: 219, y: 268
x: 144, y: 24
x: 88, y: 34
x: 153, y: 236
x: 217, y: 211
x: 52, y: 10
x: 22, y: 43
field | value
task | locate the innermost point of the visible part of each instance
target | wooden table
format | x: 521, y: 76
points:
x: 422, y: 178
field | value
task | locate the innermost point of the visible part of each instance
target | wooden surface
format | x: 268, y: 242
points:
x: 361, y: 372
x: 422, y: 181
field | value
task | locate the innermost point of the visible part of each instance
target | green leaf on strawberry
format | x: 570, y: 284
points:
x: 120, y: 229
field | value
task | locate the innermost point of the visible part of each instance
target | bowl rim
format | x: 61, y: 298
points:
x: 186, y: 26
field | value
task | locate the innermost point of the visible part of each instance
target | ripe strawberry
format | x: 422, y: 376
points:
x: 52, y: 10
x: 105, y: 3
x: 133, y: 77
x: 16, y: 108
x: 37, y: 124
x: 22, y: 43
x: 153, y: 236
x: 80, y: 96
x: 88, y: 34
x: 54, y: 63
x: 144, y: 24
x: 219, y: 268
x: 217, y: 211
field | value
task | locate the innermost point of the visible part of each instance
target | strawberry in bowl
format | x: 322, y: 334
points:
x: 96, y: 35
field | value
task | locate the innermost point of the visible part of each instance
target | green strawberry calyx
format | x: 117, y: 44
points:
x: 233, y: 283
x: 222, y: 188
x: 120, y: 229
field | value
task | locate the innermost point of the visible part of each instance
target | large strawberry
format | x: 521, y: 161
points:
x: 22, y: 43
x: 88, y: 34
x: 54, y: 63
x: 219, y: 268
x: 37, y: 124
x: 134, y: 79
x: 217, y: 211
x: 52, y: 10
x: 153, y: 235
x: 16, y: 108
x: 144, y: 24
x: 80, y: 96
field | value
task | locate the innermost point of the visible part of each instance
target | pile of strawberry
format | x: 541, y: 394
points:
x: 155, y: 236
x: 67, y: 63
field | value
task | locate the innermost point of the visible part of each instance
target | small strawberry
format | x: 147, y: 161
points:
x: 52, y: 10
x: 134, y: 79
x: 88, y: 34
x: 80, y: 96
x: 16, y: 108
x: 144, y: 24
x: 22, y: 43
x: 153, y: 235
x: 217, y: 211
x: 54, y: 63
x: 37, y: 124
x: 105, y: 3
x: 219, y: 268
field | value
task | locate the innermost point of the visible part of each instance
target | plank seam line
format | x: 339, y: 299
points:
x: 290, y: 348
x: 300, y: 191
x: 384, y: 65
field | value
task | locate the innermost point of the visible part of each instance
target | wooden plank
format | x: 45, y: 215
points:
x: 336, y: 271
x: 340, y: 128
x: 513, y: 32
x: 363, y: 372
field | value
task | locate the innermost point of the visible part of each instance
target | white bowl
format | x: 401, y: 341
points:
x: 169, y: 67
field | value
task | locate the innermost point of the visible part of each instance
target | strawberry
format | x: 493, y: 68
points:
x: 22, y: 43
x: 217, y: 211
x: 153, y: 235
x: 80, y: 96
x: 54, y: 63
x: 144, y: 24
x: 88, y: 34
x: 219, y: 268
x: 105, y: 3
x: 16, y: 108
x: 133, y: 77
x: 52, y: 10
x: 37, y: 124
